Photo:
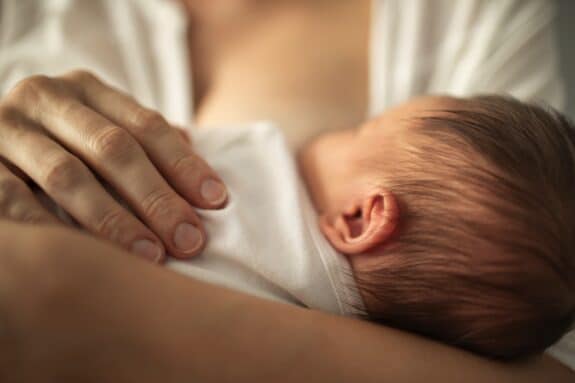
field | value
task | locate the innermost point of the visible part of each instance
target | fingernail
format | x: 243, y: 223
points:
x: 148, y: 250
x: 188, y: 238
x: 213, y: 191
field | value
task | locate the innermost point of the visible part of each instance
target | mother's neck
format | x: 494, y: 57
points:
x: 302, y: 64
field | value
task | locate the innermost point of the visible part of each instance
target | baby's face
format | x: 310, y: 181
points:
x: 340, y: 166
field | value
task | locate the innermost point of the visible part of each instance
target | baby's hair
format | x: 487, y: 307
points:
x: 484, y: 256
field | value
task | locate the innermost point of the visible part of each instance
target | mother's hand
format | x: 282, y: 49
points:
x: 85, y: 144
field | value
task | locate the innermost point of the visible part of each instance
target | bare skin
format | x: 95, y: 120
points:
x: 280, y: 64
x: 136, y: 322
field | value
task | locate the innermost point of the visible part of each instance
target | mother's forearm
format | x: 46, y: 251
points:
x: 79, y: 308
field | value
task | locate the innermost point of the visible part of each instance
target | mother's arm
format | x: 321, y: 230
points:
x: 78, y: 308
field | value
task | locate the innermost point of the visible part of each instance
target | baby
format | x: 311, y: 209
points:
x: 452, y: 218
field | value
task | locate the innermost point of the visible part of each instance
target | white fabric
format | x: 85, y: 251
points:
x: 463, y: 47
x: 417, y: 46
x: 266, y: 241
x: 138, y: 46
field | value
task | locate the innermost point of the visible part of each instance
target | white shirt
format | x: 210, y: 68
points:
x: 450, y: 46
x: 463, y: 47
x: 266, y: 241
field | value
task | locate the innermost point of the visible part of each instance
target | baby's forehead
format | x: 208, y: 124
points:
x: 422, y: 106
x: 435, y: 102
x: 404, y: 117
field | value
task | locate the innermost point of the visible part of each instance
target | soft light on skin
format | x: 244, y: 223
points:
x: 357, y: 213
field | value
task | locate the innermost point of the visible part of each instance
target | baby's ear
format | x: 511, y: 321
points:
x: 366, y: 224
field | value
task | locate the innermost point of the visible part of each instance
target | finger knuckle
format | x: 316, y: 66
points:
x: 186, y: 164
x: 149, y: 123
x: 114, y: 144
x: 71, y: 108
x: 22, y: 135
x: 160, y: 203
x: 111, y: 224
x: 30, y: 88
x: 63, y: 174
x: 81, y: 76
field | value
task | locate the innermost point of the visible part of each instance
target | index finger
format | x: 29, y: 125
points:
x: 189, y: 174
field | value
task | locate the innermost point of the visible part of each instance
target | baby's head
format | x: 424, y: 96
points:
x: 458, y: 218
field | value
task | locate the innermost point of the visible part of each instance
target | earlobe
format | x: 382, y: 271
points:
x: 370, y: 224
